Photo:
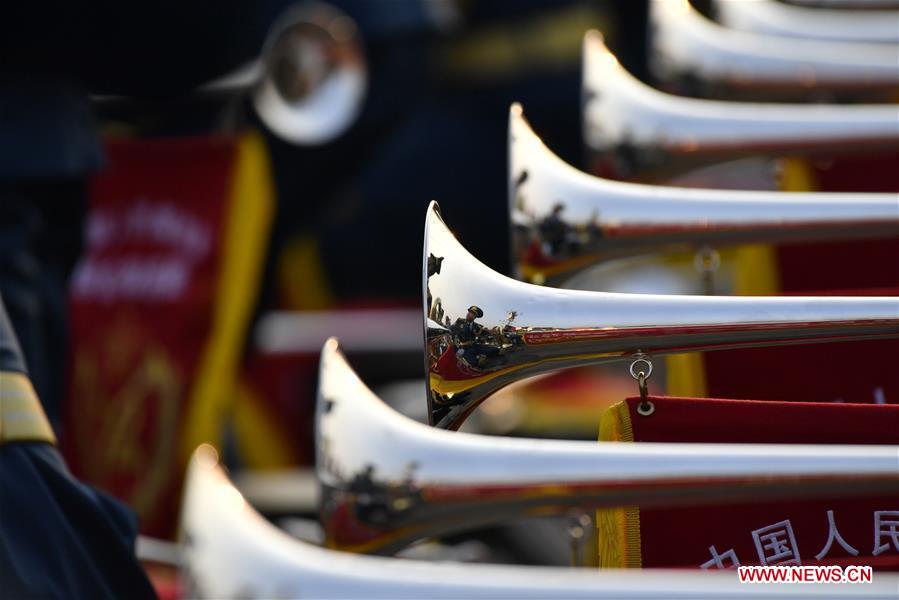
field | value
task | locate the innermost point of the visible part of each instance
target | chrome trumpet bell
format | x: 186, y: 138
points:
x: 501, y: 330
x: 564, y: 220
x: 310, y: 81
x: 684, y: 42
x: 848, y: 4
x: 315, y: 75
x: 230, y: 551
x: 388, y: 480
x: 778, y: 18
x: 625, y: 116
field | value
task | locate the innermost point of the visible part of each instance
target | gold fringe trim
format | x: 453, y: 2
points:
x: 618, y: 529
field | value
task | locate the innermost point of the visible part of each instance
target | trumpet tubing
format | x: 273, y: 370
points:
x: 778, y: 18
x: 848, y: 4
x: 388, y: 481
x: 230, y: 551
x: 484, y: 330
x: 648, y: 127
x: 683, y: 41
x: 564, y: 220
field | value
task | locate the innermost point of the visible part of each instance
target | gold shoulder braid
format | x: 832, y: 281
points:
x: 21, y: 417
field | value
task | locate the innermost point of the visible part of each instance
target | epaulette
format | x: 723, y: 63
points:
x: 21, y: 417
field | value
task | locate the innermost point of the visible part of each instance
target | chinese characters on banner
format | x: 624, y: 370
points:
x: 776, y: 544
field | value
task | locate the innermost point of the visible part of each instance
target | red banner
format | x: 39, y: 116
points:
x: 824, y: 530
x: 158, y: 305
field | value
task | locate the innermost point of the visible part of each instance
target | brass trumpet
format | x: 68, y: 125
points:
x: 230, y: 551
x: 848, y: 4
x: 686, y: 43
x: 309, y: 83
x: 644, y: 127
x: 564, y: 220
x: 777, y: 18
x: 388, y: 481
x: 526, y: 330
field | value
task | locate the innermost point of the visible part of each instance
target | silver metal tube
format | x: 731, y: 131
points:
x: 388, y: 480
x: 778, y: 18
x: 230, y: 551
x: 564, y: 220
x: 684, y: 41
x: 625, y: 115
x: 487, y: 330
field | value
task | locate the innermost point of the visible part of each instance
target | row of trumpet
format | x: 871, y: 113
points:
x: 388, y: 482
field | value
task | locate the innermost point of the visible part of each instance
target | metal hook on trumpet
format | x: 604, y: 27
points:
x: 641, y: 374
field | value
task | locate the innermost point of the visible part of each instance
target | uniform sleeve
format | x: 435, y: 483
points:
x: 59, y: 538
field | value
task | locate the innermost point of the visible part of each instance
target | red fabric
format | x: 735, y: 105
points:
x: 842, y: 265
x: 453, y: 368
x: 166, y: 582
x: 863, y: 172
x: 140, y: 309
x: 534, y: 256
x: 852, y: 372
x: 284, y: 382
x: 681, y: 537
x: 342, y: 524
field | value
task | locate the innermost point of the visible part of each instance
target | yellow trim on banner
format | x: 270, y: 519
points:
x: 685, y: 375
x: 22, y: 418
x: 796, y: 175
x: 302, y: 277
x: 244, y: 243
x: 756, y: 271
x: 618, y: 529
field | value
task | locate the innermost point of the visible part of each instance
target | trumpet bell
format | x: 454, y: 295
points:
x: 388, y: 480
x: 626, y: 118
x: 314, y: 75
x: 778, y: 18
x: 684, y: 42
x: 848, y: 4
x: 564, y: 220
x: 230, y: 551
x: 502, y: 330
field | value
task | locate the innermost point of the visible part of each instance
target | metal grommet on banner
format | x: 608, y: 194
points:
x: 641, y: 369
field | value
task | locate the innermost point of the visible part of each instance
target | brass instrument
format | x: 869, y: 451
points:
x: 778, y: 18
x: 636, y: 127
x: 309, y: 83
x: 230, y: 551
x: 388, y: 481
x: 564, y: 220
x: 544, y: 330
x: 684, y: 43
